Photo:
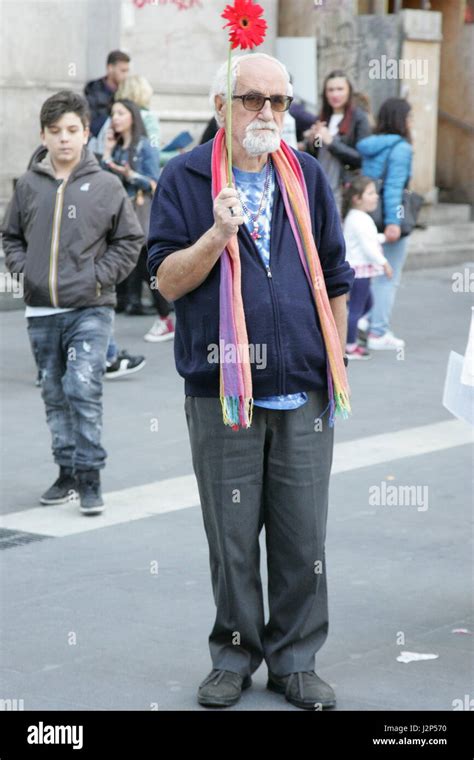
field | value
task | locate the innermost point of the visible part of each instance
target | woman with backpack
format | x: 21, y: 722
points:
x: 388, y: 155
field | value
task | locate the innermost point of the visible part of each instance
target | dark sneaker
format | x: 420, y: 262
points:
x: 88, y: 483
x: 64, y: 488
x: 222, y: 688
x: 304, y: 689
x: 125, y: 364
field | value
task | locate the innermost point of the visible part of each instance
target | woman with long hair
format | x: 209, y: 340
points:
x: 139, y: 91
x: 340, y: 125
x: 129, y: 154
x: 388, y: 154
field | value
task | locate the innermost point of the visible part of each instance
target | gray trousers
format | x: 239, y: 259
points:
x: 276, y: 473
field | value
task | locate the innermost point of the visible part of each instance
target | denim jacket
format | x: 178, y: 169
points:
x: 146, y: 162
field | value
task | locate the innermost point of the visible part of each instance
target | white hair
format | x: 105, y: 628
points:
x: 219, y: 83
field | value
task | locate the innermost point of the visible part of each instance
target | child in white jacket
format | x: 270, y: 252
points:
x: 363, y: 252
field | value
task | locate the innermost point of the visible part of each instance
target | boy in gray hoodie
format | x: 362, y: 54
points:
x: 70, y: 235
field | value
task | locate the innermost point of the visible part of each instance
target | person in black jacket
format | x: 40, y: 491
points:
x: 100, y: 92
x: 333, y: 137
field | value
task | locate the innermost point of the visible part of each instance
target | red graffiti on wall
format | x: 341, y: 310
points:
x: 182, y: 5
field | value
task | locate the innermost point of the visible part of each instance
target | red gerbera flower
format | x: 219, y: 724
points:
x: 247, y: 29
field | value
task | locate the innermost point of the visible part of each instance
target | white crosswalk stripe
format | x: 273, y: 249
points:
x: 163, y: 496
x: 411, y: 442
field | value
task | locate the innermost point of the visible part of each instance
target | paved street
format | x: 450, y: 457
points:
x: 113, y: 612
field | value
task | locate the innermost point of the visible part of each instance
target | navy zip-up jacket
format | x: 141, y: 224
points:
x: 280, y: 311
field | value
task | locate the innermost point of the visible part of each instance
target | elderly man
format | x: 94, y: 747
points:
x: 263, y: 460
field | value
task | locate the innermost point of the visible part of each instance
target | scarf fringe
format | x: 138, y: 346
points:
x: 237, y: 411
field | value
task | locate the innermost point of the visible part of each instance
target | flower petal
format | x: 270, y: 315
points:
x: 246, y: 28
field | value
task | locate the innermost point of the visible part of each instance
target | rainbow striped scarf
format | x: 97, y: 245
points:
x: 236, y: 377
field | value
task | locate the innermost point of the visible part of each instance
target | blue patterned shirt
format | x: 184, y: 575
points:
x: 250, y: 186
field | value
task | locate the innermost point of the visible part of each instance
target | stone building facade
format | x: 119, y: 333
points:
x: 177, y: 44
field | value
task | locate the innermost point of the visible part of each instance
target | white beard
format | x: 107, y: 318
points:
x: 258, y: 141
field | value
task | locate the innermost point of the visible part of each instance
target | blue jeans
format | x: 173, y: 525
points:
x: 385, y: 290
x: 70, y: 350
x: 112, y: 349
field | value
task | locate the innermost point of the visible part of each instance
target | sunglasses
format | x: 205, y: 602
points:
x: 255, y: 101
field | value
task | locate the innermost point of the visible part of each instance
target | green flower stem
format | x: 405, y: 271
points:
x: 228, y: 130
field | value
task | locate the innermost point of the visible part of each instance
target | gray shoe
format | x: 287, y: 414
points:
x: 304, y: 689
x: 90, y: 494
x: 63, y: 490
x: 222, y: 688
